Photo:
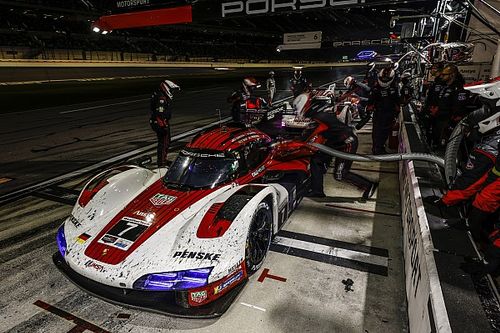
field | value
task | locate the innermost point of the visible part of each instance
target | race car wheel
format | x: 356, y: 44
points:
x: 259, y: 237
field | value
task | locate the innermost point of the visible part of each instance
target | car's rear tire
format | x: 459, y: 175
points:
x: 259, y: 237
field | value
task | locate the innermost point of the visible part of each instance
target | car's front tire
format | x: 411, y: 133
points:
x: 259, y: 237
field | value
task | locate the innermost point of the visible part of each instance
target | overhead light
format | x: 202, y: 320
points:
x: 104, y: 32
x: 449, y: 7
x: 96, y: 29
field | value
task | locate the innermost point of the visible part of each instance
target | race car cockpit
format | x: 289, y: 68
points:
x: 198, y: 170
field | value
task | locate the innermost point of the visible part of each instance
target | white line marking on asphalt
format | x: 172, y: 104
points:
x: 332, y: 251
x: 103, y: 106
x: 253, y: 306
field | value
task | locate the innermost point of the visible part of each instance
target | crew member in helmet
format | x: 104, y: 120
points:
x: 359, y: 90
x: 406, y: 88
x: 161, y: 100
x: 271, y: 88
x: 238, y: 97
x: 338, y: 136
x: 298, y: 83
x: 385, y: 100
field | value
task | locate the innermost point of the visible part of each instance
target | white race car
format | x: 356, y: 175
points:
x: 184, y: 243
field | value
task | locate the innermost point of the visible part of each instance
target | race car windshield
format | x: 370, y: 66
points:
x: 196, y: 170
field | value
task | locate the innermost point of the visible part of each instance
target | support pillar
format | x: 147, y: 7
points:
x: 495, y: 69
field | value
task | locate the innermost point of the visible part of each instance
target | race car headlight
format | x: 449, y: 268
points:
x: 182, y: 280
x: 61, y: 240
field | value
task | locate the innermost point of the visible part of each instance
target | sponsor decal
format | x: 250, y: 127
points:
x: 259, y: 170
x: 122, y: 245
x: 139, y: 213
x: 160, y: 199
x: 271, y: 114
x: 234, y: 268
x: 92, y: 264
x: 236, y: 277
x: 74, y: 221
x: 82, y: 238
x: 192, y: 154
x: 196, y: 255
x: 248, y: 138
x: 239, y: 137
x: 107, y: 239
x: 199, y: 296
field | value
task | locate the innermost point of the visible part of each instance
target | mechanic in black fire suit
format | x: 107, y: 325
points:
x: 386, y: 100
x: 160, y: 108
x: 450, y: 105
x: 338, y: 136
x: 298, y: 83
x: 239, y: 97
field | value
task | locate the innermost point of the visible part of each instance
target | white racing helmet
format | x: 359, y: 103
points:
x: 348, y: 81
x: 249, y: 84
x: 386, y: 76
x: 489, y: 93
x: 166, y: 88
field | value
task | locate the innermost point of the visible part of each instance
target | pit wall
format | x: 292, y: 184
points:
x: 426, y: 306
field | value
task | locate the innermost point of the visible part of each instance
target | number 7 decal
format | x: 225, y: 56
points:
x: 130, y: 227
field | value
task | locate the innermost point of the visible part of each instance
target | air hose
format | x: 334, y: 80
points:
x: 381, y: 158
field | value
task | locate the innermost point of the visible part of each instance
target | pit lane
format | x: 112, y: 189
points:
x: 299, y: 289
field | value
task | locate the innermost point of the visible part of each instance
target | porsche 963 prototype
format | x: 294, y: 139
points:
x: 183, y: 241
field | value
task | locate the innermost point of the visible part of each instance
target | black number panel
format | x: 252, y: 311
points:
x: 124, y: 233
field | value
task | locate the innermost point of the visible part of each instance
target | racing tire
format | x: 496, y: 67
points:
x: 259, y: 237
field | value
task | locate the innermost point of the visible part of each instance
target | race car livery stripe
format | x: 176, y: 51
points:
x: 233, y: 135
x: 165, y: 213
x: 249, y: 136
x: 214, y: 136
x: 216, y: 143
